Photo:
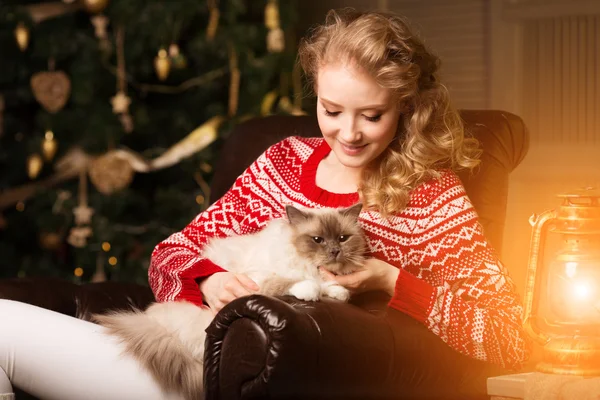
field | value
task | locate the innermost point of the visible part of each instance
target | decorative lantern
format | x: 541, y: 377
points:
x: 562, y: 299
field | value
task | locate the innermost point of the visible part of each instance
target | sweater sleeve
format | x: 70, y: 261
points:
x: 469, y: 300
x: 177, y: 264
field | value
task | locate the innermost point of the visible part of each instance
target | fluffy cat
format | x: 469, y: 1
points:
x: 283, y: 259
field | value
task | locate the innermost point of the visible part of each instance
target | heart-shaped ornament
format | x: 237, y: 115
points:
x: 51, y: 89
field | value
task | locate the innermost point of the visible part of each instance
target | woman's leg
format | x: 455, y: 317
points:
x: 54, y: 356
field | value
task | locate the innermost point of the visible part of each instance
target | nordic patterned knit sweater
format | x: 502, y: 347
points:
x: 450, y: 278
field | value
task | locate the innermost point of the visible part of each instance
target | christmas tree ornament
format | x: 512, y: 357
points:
x: 111, y: 173
x: 162, y: 65
x: 94, y: 6
x: 49, y: 146
x: 213, y: 20
x: 178, y: 60
x: 275, y: 36
x: 267, y: 102
x: 79, y: 233
x: 51, y: 89
x: 34, y: 165
x: 272, y: 15
x: 22, y: 36
x: 78, y: 236
x: 120, y: 103
x: 275, y: 40
x: 83, y: 213
x: 100, y: 23
x: 50, y: 240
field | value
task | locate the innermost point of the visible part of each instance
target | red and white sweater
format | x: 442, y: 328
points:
x: 450, y: 277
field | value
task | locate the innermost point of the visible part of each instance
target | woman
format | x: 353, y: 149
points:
x: 391, y: 140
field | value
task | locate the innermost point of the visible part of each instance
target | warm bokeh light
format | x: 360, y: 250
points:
x: 106, y: 246
x: 112, y: 260
x: 78, y: 272
x: 582, y: 290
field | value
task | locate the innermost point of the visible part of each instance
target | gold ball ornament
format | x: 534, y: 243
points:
x: 162, y: 64
x: 34, y: 165
x: 49, y: 146
x: 51, y: 89
x: 94, y: 6
x: 110, y: 173
x: 22, y: 36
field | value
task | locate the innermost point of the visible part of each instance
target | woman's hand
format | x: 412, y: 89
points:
x: 223, y: 287
x: 375, y: 275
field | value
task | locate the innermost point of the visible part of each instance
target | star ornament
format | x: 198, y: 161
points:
x: 83, y: 214
x: 120, y: 103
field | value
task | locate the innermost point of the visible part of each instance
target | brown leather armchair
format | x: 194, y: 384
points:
x: 281, y: 348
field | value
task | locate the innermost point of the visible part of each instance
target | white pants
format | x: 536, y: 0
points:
x: 54, y: 356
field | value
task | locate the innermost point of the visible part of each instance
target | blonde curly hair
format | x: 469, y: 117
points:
x: 431, y: 135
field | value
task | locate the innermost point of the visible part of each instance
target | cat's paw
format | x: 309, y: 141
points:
x: 306, y: 290
x: 337, y: 292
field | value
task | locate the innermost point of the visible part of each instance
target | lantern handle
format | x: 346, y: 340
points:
x: 538, y: 223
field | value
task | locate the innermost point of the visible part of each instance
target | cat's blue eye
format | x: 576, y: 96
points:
x: 317, y: 239
x: 343, y: 238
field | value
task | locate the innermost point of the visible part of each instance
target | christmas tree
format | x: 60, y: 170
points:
x: 111, y: 115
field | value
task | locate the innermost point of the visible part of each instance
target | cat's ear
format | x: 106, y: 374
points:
x: 353, y: 211
x: 295, y: 216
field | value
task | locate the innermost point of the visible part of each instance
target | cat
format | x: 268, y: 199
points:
x: 283, y: 259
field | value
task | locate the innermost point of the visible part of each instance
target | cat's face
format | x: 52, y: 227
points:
x: 330, y: 238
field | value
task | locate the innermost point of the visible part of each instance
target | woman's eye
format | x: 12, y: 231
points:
x: 343, y: 238
x: 317, y: 239
x: 331, y: 113
x: 374, y: 118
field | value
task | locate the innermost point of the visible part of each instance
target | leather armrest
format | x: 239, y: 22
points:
x: 261, y: 347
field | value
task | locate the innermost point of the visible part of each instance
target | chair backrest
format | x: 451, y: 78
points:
x: 503, y: 137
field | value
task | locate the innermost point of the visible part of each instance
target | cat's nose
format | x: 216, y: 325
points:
x: 334, y: 252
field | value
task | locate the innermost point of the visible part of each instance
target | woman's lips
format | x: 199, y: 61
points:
x: 352, y: 150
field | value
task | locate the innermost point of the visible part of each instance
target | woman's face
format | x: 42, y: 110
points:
x: 358, y: 118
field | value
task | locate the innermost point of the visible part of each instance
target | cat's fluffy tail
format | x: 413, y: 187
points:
x: 168, y: 340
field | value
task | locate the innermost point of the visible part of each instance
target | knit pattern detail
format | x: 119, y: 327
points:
x: 451, y: 279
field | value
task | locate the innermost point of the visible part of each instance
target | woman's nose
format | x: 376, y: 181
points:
x: 349, y: 131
